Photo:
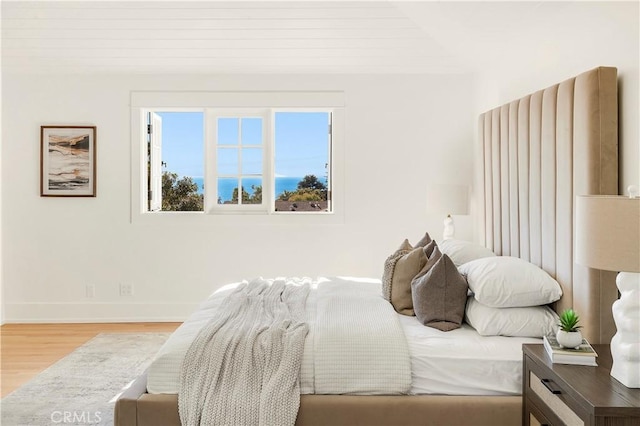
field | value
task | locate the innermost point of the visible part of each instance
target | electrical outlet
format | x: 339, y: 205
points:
x: 126, y: 289
x: 90, y: 291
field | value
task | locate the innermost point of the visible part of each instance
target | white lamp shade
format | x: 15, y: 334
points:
x: 448, y: 199
x: 608, y: 232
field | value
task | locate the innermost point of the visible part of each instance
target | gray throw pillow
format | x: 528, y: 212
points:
x: 433, y: 254
x: 440, y: 296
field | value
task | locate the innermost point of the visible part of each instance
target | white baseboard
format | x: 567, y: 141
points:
x: 96, y: 312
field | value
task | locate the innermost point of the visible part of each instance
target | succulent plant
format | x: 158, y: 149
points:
x: 569, y: 321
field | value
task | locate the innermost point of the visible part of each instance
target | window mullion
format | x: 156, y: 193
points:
x: 269, y: 143
x: 329, y: 165
x: 211, y: 161
x: 240, y: 161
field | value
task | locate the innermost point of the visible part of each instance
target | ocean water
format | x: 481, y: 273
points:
x: 227, y: 185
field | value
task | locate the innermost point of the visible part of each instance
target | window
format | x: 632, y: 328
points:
x: 176, y: 164
x: 302, y: 161
x: 238, y: 160
x: 239, y: 173
x: 264, y: 157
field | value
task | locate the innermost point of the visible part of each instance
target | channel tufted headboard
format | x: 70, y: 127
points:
x: 541, y: 151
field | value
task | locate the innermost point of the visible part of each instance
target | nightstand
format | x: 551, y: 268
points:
x: 561, y: 394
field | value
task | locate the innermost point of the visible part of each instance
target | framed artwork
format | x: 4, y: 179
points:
x: 67, y: 161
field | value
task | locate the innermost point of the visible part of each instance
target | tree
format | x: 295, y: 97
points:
x: 307, y: 194
x: 254, y: 198
x: 285, y: 195
x: 309, y: 189
x: 234, y: 196
x: 180, y: 195
x: 311, y: 182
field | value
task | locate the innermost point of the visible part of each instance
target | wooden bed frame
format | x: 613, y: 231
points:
x: 540, y: 151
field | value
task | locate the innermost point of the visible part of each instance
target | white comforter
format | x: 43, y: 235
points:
x: 355, y: 343
x: 458, y: 362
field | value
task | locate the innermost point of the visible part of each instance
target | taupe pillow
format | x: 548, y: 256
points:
x: 426, y: 239
x: 433, y: 253
x: 389, y: 266
x: 407, y: 267
x: 440, y: 296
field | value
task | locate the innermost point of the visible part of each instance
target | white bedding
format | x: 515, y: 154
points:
x: 462, y: 362
x: 356, y: 344
x: 459, y: 362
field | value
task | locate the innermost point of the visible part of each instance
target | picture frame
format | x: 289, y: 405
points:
x: 67, y: 161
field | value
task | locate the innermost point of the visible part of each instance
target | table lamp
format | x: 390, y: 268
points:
x: 450, y: 200
x: 608, y: 238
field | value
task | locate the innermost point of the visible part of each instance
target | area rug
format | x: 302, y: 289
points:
x: 81, y: 388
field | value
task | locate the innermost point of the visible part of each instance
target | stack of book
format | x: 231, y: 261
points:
x: 582, y: 355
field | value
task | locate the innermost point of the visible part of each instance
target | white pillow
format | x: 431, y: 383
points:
x: 533, y: 321
x: 464, y: 251
x: 509, y: 282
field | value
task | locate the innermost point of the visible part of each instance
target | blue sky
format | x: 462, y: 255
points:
x: 301, y: 143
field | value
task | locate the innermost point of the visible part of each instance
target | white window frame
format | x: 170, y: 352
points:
x: 155, y: 161
x: 146, y: 111
x: 269, y: 102
x: 272, y: 160
x: 211, y: 153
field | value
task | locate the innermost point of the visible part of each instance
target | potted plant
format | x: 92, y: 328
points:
x: 569, y: 335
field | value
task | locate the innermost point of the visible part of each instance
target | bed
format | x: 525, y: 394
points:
x: 539, y: 152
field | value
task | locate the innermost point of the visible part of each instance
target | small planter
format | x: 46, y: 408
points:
x: 569, y: 339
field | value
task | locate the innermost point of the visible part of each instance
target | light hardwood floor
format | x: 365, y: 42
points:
x: 28, y: 349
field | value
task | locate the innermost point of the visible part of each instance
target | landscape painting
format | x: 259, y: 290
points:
x: 67, y: 161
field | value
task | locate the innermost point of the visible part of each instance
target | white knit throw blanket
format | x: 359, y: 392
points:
x: 243, y: 368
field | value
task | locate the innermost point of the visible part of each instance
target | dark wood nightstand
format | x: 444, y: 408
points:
x: 561, y: 394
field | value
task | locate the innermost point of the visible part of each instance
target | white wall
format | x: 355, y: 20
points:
x: 598, y: 34
x: 403, y: 133
x: 1, y: 240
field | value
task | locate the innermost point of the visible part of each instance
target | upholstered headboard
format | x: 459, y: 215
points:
x: 541, y: 151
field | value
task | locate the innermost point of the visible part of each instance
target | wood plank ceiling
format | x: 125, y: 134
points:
x: 217, y: 37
